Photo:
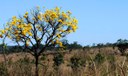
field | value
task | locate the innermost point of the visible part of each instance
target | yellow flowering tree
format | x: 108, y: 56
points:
x: 37, y: 27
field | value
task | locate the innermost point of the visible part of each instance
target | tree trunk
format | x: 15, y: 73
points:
x: 36, y: 65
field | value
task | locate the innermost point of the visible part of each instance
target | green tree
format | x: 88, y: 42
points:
x: 74, y: 45
x: 122, y: 45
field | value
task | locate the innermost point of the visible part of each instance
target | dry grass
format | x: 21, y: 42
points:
x: 112, y: 64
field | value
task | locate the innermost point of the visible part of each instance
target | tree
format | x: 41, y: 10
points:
x: 37, y: 27
x: 100, y: 45
x: 122, y: 45
x: 74, y: 45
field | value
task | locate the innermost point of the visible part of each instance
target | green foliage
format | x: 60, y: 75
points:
x: 58, y: 60
x: 74, y: 45
x: 99, y: 58
x: 43, y: 57
x: 122, y: 45
x: 76, y: 62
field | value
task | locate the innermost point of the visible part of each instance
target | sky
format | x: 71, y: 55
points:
x: 99, y: 21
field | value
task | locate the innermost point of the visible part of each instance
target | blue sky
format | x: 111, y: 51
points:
x: 100, y: 21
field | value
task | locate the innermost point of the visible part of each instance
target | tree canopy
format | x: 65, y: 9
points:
x: 38, y: 27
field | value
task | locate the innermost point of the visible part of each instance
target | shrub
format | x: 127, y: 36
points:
x: 99, y: 58
x: 58, y: 60
x: 76, y: 62
x: 122, y: 45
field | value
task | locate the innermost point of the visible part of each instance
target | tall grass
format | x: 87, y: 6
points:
x: 75, y: 63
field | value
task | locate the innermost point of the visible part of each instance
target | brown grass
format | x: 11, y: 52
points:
x: 22, y: 64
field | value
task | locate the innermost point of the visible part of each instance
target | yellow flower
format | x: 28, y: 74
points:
x: 24, y: 32
x: 18, y: 26
x: 60, y: 21
x: 58, y: 35
x: 16, y: 32
x: 69, y: 31
x: 25, y: 16
x: 3, y: 31
x: 13, y: 22
x: 14, y: 17
x: 57, y: 41
x: 64, y: 15
x: 74, y: 27
x: 57, y: 9
x: 18, y: 20
x: 30, y: 33
x: 39, y: 17
x: 27, y: 43
x: 60, y: 44
x: 75, y: 20
x: 26, y: 13
x: 53, y: 15
x: 61, y: 30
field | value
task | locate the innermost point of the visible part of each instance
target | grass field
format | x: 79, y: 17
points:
x: 105, y: 61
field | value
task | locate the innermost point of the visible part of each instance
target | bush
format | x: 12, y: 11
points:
x: 99, y: 58
x: 58, y: 60
x: 122, y: 45
x: 76, y: 62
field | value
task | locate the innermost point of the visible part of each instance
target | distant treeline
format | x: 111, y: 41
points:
x: 122, y: 44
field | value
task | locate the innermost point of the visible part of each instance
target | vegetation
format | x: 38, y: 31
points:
x: 122, y: 45
x: 75, y: 63
x: 42, y: 50
x: 36, y: 28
